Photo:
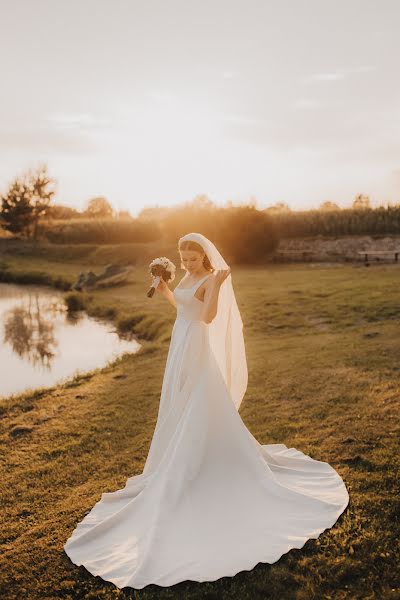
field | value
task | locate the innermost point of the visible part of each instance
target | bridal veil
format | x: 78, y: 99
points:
x: 226, y: 329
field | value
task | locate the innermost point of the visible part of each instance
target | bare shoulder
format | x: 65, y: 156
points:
x: 182, y: 279
x: 209, y: 282
x: 202, y: 289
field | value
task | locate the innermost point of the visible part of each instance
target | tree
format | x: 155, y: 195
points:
x: 124, y: 215
x: 61, y: 212
x: 200, y: 202
x: 27, y: 200
x: 154, y: 213
x: 361, y: 202
x: 279, y: 207
x: 329, y: 206
x: 99, y: 207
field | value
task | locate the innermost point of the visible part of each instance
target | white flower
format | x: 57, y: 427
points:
x: 166, y: 263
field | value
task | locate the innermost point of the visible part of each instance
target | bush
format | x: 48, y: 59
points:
x: 247, y: 234
x: 74, y: 302
x: 100, y: 231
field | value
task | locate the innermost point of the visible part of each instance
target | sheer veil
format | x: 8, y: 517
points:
x: 226, y: 329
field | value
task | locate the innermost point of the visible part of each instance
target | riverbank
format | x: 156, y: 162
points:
x: 322, y: 347
x: 126, y: 306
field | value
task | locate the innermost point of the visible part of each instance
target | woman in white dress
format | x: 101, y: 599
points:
x: 211, y: 501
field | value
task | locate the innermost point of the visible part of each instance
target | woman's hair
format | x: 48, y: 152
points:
x: 190, y: 245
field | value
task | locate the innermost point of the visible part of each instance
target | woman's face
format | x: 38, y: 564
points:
x: 192, y: 260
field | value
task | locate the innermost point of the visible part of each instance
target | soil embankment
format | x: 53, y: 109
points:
x: 341, y: 249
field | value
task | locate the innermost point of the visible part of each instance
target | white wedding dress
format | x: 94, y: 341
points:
x: 211, y: 500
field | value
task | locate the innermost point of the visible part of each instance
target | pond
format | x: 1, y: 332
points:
x: 42, y: 344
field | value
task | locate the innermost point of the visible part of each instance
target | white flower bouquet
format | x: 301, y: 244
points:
x: 160, y: 268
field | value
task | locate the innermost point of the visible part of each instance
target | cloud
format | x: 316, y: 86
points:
x: 230, y: 74
x: 243, y: 119
x: 328, y: 134
x: 78, y: 121
x: 58, y: 133
x: 162, y: 96
x: 306, y: 103
x: 326, y: 77
x: 339, y: 74
x: 43, y: 139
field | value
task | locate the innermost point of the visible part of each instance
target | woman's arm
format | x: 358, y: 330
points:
x: 212, y: 293
x: 163, y: 289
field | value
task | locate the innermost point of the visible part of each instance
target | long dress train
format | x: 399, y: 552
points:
x: 211, y: 501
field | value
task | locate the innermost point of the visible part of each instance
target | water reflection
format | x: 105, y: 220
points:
x: 42, y: 343
x: 30, y: 333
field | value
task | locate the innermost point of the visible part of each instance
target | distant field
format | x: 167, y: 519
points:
x: 323, y: 347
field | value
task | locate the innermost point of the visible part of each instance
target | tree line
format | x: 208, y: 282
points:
x: 27, y: 211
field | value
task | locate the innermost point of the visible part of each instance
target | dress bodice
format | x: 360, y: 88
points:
x: 188, y: 306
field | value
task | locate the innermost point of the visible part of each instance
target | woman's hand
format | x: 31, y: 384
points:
x: 220, y: 275
x: 162, y: 286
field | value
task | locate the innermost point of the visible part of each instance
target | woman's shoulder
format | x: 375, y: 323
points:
x: 208, y: 280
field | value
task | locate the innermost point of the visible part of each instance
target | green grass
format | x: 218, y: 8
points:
x: 323, y: 351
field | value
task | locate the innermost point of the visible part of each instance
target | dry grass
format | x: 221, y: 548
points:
x: 322, y: 346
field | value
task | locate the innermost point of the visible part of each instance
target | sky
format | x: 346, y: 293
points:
x: 154, y: 102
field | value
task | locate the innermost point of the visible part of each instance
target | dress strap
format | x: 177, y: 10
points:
x: 198, y: 283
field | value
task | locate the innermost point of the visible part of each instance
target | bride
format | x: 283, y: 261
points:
x: 211, y: 501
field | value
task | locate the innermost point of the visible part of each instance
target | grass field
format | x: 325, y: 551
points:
x: 323, y: 350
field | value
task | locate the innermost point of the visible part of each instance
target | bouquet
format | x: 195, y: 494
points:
x: 160, y: 268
